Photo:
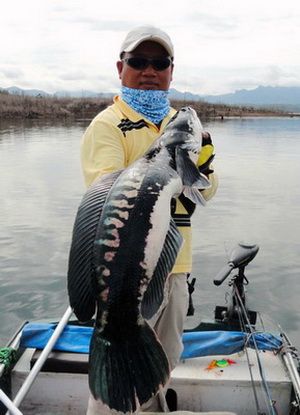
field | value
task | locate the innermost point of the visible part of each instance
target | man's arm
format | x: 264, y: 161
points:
x: 101, y: 150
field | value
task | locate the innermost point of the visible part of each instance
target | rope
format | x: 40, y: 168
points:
x: 289, y: 348
x: 244, y: 317
x: 244, y: 329
x: 7, y: 355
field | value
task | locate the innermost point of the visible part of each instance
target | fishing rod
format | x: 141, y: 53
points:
x: 249, y: 328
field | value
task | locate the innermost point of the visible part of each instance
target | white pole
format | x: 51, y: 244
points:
x: 290, y: 364
x: 8, y: 403
x: 43, y: 357
x: 288, y: 359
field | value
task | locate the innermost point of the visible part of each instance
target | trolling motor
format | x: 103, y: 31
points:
x: 241, y: 255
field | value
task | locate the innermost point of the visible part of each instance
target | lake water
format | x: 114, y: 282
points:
x: 257, y: 160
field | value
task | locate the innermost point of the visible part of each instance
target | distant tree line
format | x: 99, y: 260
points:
x: 24, y: 106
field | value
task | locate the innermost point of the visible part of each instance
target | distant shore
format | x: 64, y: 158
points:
x: 13, y: 106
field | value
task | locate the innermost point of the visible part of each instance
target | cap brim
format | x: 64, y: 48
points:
x: 163, y: 43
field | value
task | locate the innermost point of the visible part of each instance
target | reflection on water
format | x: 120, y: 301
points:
x: 41, y: 186
x: 257, y: 200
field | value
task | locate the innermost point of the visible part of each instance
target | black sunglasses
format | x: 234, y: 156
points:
x: 140, y: 63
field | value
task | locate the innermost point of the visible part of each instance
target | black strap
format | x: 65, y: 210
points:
x: 191, y: 289
x: 188, y: 204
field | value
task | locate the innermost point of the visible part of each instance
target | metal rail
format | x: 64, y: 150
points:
x: 41, y: 360
x: 9, y: 404
x: 287, y: 355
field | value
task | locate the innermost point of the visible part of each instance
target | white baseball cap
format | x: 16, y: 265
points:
x: 143, y: 33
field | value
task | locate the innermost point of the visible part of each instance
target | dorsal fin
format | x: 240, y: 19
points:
x: 81, y: 252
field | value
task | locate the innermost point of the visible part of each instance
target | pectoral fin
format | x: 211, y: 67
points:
x: 189, y: 172
x: 154, y: 295
x: 194, y: 195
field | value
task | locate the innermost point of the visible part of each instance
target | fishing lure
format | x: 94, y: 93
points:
x: 219, y: 363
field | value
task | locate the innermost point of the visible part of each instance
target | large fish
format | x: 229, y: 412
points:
x: 124, y: 246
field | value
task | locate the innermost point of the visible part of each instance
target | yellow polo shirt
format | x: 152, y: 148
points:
x: 116, y: 138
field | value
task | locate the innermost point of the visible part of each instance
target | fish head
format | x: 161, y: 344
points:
x: 182, y: 138
x: 184, y: 131
x: 185, y: 120
x: 179, y: 146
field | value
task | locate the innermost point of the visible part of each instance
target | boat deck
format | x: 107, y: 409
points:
x: 197, y: 389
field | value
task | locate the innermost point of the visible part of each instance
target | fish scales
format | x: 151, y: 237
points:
x: 132, y: 243
x: 126, y: 275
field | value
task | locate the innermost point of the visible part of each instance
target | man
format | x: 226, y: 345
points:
x: 121, y: 134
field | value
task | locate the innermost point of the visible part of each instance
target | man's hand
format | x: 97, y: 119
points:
x: 206, y: 155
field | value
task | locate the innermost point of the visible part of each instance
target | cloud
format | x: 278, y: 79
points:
x: 219, y: 46
x: 11, y: 72
x: 209, y: 80
x: 211, y: 25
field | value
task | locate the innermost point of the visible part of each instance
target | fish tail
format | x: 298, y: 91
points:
x: 127, y: 371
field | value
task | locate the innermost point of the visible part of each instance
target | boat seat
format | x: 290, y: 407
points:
x: 63, y: 362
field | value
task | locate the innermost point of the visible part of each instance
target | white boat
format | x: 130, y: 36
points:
x: 228, y: 366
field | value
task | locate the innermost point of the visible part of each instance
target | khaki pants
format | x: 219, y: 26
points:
x: 168, y: 323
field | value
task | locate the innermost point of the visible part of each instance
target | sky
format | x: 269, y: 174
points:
x: 220, y: 45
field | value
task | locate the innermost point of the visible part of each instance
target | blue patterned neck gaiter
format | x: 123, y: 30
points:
x: 153, y: 105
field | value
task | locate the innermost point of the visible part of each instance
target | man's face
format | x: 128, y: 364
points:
x: 147, y: 78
